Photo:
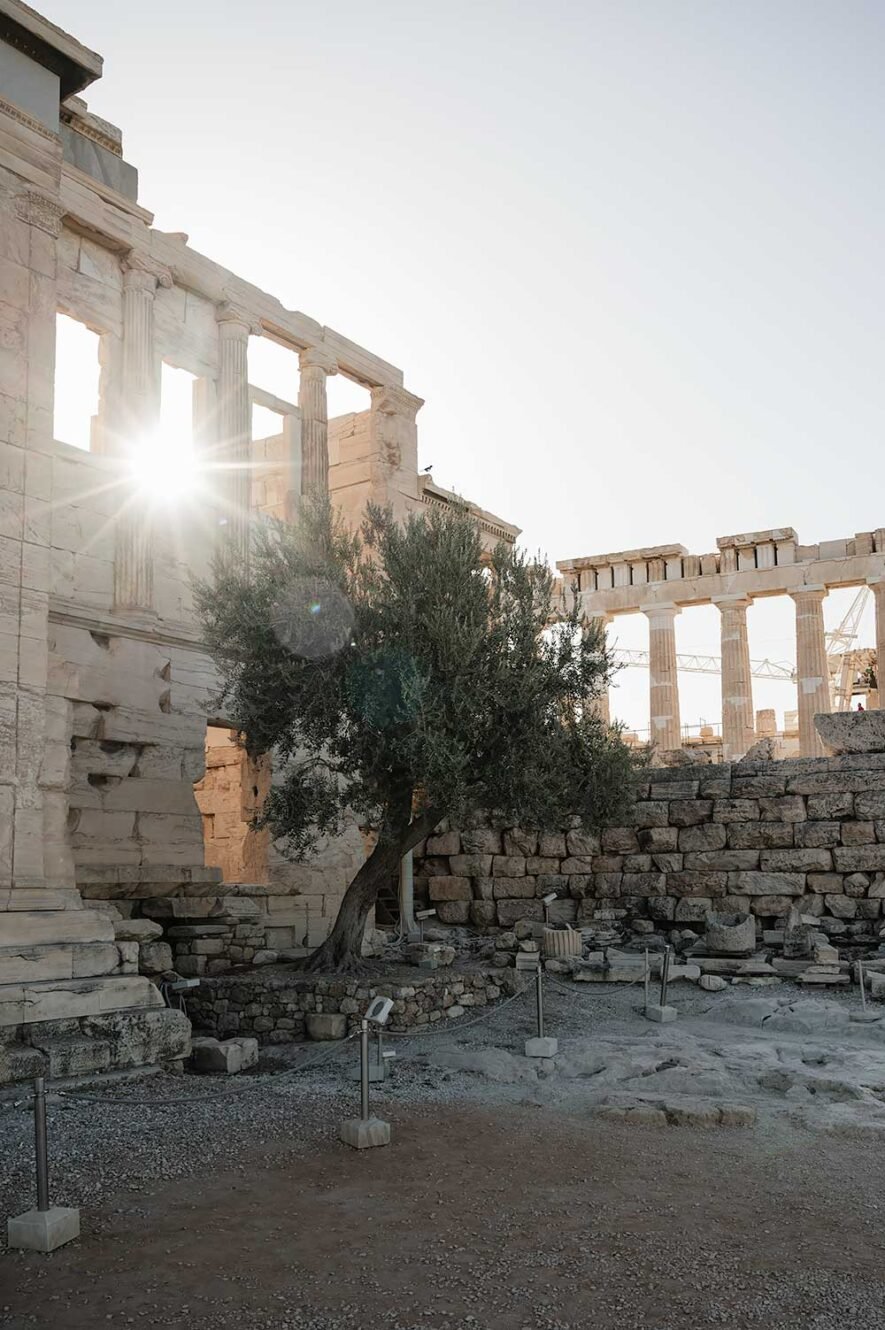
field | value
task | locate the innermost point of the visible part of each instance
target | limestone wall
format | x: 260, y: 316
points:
x: 277, y: 1007
x: 754, y: 837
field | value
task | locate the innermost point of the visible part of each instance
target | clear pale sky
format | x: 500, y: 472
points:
x: 629, y: 252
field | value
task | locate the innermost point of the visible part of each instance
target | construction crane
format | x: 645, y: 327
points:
x: 760, y: 669
x: 839, y: 653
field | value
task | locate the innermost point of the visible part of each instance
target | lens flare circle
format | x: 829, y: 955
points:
x: 313, y: 618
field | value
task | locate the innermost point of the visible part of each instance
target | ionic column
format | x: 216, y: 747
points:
x: 136, y: 409
x: 812, y: 671
x: 666, y: 730
x: 234, y: 422
x: 315, y: 364
x: 602, y: 704
x: 878, y: 589
x: 737, y: 685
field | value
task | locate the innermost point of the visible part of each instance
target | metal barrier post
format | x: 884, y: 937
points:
x: 41, y: 1152
x: 659, y: 1011
x: 364, y: 1070
x: 542, y: 1046
x: 665, y: 976
x: 48, y: 1226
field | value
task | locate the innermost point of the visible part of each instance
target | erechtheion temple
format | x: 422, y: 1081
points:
x: 126, y: 847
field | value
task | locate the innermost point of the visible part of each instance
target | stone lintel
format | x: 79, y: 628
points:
x: 622, y: 556
x: 776, y: 534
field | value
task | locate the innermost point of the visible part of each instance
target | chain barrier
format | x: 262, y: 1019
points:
x: 273, y: 1082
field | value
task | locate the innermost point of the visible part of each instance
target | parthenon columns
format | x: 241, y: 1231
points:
x: 666, y: 729
x: 136, y: 412
x: 812, y: 671
x: 315, y: 363
x: 877, y: 587
x: 738, y: 729
x: 234, y: 415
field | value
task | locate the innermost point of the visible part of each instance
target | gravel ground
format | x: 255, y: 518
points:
x: 499, y: 1205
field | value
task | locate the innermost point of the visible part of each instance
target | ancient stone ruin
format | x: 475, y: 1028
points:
x: 128, y: 862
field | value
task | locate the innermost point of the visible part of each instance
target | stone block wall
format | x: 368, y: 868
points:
x: 273, y: 1007
x: 753, y: 836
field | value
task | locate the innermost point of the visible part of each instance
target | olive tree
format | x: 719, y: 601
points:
x: 401, y: 677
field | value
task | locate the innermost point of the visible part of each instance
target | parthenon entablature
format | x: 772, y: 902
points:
x: 757, y: 563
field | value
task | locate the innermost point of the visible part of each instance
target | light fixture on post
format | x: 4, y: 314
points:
x: 366, y: 1131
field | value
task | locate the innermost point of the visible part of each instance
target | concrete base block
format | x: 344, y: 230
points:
x: 663, y: 1015
x: 362, y: 1135
x: 43, y: 1230
x: 428, y: 963
x: 541, y: 1048
x: 865, y: 1017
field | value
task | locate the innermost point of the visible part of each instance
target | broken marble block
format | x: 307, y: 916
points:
x: 228, y: 1055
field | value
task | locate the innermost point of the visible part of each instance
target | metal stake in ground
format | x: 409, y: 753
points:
x: 863, y: 995
x: 660, y: 1012
x: 48, y: 1226
x: 541, y: 1046
x: 646, y: 978
x: 665, y: 976
x: 366, y: 1131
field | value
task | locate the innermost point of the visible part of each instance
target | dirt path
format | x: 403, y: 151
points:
x: 486, y: 1220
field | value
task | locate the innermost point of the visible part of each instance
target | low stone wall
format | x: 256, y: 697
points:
x: 273, y: 1005
x: 749, y: 837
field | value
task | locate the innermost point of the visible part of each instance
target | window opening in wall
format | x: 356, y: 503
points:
x: 345, y: 397
x: 229, y: 796
x: 77, y: 373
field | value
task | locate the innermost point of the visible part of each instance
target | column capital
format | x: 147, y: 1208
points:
x: 663, y: 611
x: 142, y: 273
x: 724, y: 603
x: 395, y: 401
x: 40, y: 210
x: 317, y: 357
x: 235, y: 321
x: 817, y: 593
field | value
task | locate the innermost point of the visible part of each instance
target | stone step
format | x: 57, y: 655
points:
x: 65, y: 960
x: 56, y: 999
x: 34, y: 928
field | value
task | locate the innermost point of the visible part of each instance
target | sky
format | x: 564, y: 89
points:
x: 627, y: 250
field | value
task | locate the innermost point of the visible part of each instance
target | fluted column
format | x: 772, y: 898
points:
x: 878, y: 589
x: 136, y: 410
x: 234, y: 420
x: 666, y: 729
x: 737, y: 685
x: 812, y: 671
x: 315, y: 363
x: 602, y: 705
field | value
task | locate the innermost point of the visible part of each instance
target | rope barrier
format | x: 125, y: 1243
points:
x: 271, y: 1083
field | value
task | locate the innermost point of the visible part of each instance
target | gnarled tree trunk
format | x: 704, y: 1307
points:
x: 342, y: 949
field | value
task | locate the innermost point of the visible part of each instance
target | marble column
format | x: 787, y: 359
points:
x: 602, y: 705
x: 878, y: 589
x: 136, y: 411
x: 233, y: 470
x: 666, y: 729
x: 737, y: 685
x: 812, y: 671
x: 316, y: 364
